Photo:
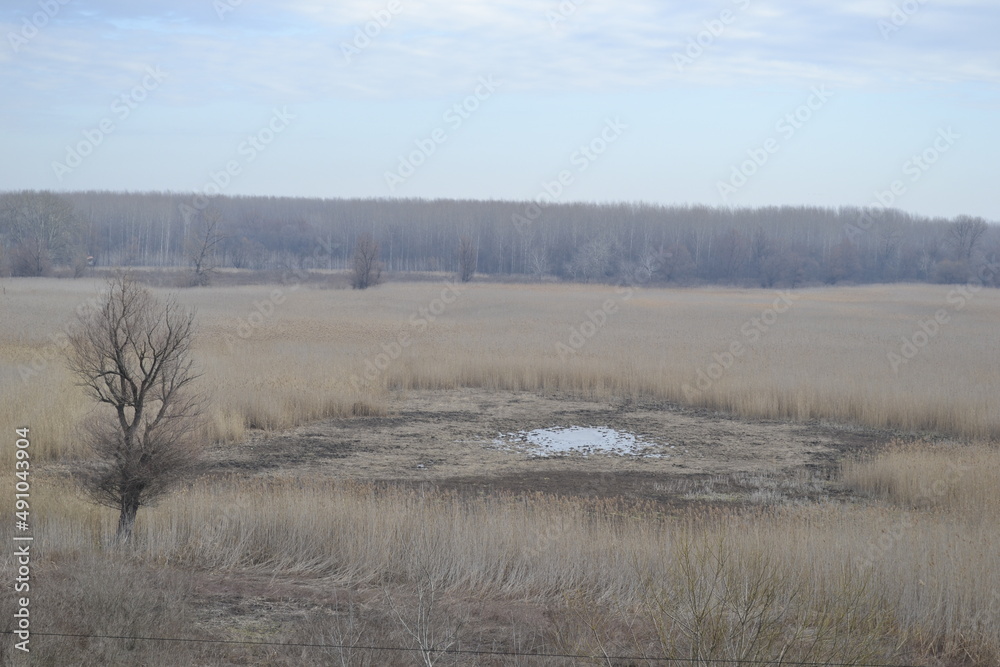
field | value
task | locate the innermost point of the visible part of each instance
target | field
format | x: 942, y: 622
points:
x: 814, y: 478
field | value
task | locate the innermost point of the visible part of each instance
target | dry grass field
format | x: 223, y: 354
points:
x: 831, y: 505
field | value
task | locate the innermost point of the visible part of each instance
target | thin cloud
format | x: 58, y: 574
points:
x: 431, y: 48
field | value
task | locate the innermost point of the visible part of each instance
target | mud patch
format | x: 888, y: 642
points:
x: 446, y: 438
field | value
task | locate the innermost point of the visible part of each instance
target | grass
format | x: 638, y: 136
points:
x: 958, y: 478
x: 906, y: 571
x: 824, y: 582
x: 276, y: 357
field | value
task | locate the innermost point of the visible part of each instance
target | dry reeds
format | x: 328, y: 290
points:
x: 913, y: 569
x: 829, y: 582
x: 273, y: 362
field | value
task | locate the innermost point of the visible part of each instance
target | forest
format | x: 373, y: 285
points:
x: 46, y: 233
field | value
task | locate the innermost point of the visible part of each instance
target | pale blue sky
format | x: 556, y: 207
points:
x: 228, y: 66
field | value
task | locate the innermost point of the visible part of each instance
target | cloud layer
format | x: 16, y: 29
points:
x: 403, y: 62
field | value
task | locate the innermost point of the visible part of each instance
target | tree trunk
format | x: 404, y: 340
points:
x: 126, y: 520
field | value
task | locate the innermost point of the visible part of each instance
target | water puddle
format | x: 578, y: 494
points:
x: 582, y: 441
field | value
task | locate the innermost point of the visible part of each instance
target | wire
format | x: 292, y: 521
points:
x: 732, y: 661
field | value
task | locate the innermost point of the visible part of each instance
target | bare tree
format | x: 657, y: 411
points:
x: 42, y: 228
x: 467, y: 255
x: 581, y: 241
x: 676, y: 265
x: 887, y: 252
x: 432, y: 632
x: 731, y: 253
x: 201, y: 247
x: 595, y: 260
x: 843, y: 263
x: 367, y: 269
x: 132, y: 356
x: 964, y: 235
x: 538, y: 262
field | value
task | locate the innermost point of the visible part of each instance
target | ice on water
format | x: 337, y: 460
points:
x: 579, y: 440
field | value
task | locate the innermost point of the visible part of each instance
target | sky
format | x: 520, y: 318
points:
x: 721, y: 103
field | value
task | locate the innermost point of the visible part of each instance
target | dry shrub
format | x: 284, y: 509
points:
x: 103, y: 594
x: 822, y: 573
x: 723, y: 602
x: 825, y: 580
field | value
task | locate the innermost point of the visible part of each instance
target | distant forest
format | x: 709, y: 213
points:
x: 45, y: 233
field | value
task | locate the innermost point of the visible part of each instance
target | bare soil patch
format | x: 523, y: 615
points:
x: 446, y: 438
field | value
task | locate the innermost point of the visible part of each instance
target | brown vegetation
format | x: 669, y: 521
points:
x: 895, y: 562
x: 274, y: 365
x: 826, y: 583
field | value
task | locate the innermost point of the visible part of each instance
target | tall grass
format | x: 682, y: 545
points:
x: 913, y: 571
x: 826, y: 358
x: 960, y: 479
x: 828, y: 581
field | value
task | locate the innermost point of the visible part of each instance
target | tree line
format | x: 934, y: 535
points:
x: 44, y: 233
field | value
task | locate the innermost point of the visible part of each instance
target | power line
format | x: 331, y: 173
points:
x: 405, y: 649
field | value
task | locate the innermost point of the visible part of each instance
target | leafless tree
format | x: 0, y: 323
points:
x: 596, y: 242
x: 467, y: 255
x: 772, y: 269
x: 766, y: 261
x: 964, y: 236
x: 731, y: 252
x: 132, y: 356
x: 842, y: 263
x: 594, y: 261
x: 676, y: 265
x: 201, y: 247
x: 42, y: 228
x: 432, y: 631
x: 239, y: 252
x: 887, y: 250
x: 538, y: 262
x: 367, y: 269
